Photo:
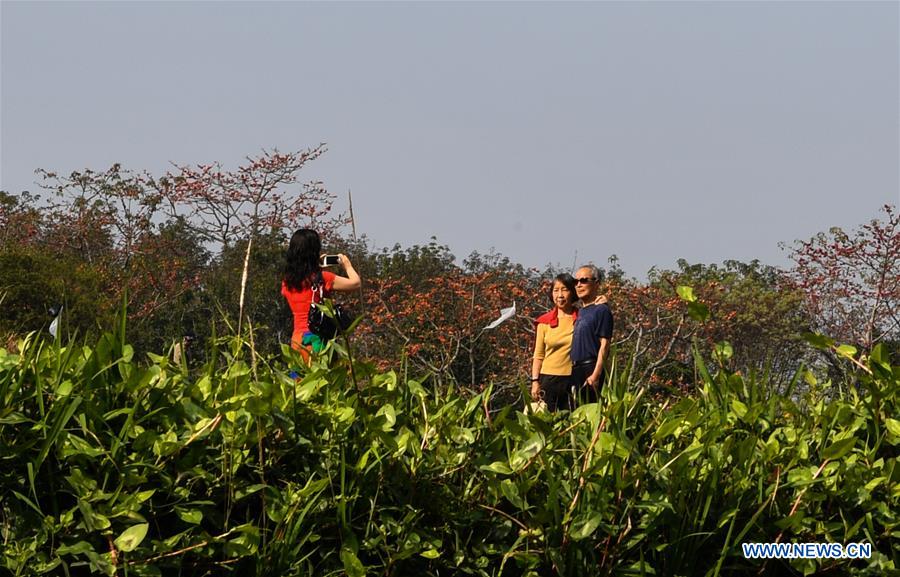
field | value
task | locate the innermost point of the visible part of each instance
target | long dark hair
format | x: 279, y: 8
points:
x: 302, y: 259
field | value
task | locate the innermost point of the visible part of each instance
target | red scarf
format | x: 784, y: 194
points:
x: 551, y: 317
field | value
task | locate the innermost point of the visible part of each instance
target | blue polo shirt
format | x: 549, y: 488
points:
x: 593, y: 323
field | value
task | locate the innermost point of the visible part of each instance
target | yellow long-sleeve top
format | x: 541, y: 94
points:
x: 553, y: 345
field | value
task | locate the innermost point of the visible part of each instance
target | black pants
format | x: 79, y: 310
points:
x: 556, y: 391
x: 580, y: 372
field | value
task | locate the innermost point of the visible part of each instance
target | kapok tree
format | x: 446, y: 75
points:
x: 264, y: 194
x: 432, y: 312
x: 100, y: 214
x: 20, y: 220
x: 263, y: 197
x: 113, y: 221
x: 852, y: 281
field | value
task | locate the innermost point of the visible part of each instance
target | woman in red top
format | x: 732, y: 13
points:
x: 301, y: 272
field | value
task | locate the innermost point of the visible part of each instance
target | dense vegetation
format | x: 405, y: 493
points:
x: 124, y: 467
x: 175, y: 247
x: 403, y: 450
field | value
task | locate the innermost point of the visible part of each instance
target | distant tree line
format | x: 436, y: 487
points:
x: 172, y: 248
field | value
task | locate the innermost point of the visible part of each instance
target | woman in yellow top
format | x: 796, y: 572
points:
x: 551, y: 368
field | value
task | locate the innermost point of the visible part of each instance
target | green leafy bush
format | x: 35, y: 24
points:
x: 110, y: 464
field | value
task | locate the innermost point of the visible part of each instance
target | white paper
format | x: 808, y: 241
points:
x: 55, y: 324
x: 505, y: 314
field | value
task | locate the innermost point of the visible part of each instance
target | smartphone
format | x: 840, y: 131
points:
x: 330, y: 260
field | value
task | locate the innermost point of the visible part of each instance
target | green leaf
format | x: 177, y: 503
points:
x: 879, y: 356
x: 113, y: 414
x: 526, y: 451
x: 204, y: 387
x: 686, y: 293
x: 144, y: 495
x: 13, y: 418
x: 430, y: 553
x: 738, y: 408
x: 511, y: 492
x: 64, y: 389
x: 100, y: 521
x: 641, y: 567
x: 250, y: 490
x: 78, y: 548
x: 258, y: 407
x: 387, y: 380
x: 345, y: 414
x: 817, y: 340
x: 245, y: 544
x: 609, y: 443
x: 874, y: 483
x: 589, y: 412
x: 192, y: 516
x: 363, y: 460
x: 236, y: 370
x: 810, y: 378
x: 352, y: 565
x: 28, y: 502
x: 58, y: 424
x: 724, y: 351
x: 390, y: 417
x: 132, y: 537
x: 462, y: 435
x: 669, y: 427
x: 498, y: 467
x: 584, y: 526
x: 75, y: 445
x: 893, y: 426
x: 698, y: 311
x: 838, y: 449
x: 43, y: 567
x: 801, y: 475
x: 416, y: 388
x: 848, y: 351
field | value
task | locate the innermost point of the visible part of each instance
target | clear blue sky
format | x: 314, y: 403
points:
x: 655, y: 131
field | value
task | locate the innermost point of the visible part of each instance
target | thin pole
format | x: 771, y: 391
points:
x: 362, y: 297
x: 352, y: 219
x: 244, y: 283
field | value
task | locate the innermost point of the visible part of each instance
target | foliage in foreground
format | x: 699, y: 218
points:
x: 121, y: 467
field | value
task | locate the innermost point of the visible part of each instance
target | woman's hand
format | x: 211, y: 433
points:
x: 351, y: 281
x: 536, y: 390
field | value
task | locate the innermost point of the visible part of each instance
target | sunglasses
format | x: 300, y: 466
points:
x: 584, y: 280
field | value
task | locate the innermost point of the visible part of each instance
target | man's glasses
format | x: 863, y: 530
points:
x: 584, y: 280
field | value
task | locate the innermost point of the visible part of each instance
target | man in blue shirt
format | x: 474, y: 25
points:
x: 593, y: 331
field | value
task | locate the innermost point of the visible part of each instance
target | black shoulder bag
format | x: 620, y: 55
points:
x: 319, y: 322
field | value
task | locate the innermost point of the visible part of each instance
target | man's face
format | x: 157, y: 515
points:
x: 585, y: 284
